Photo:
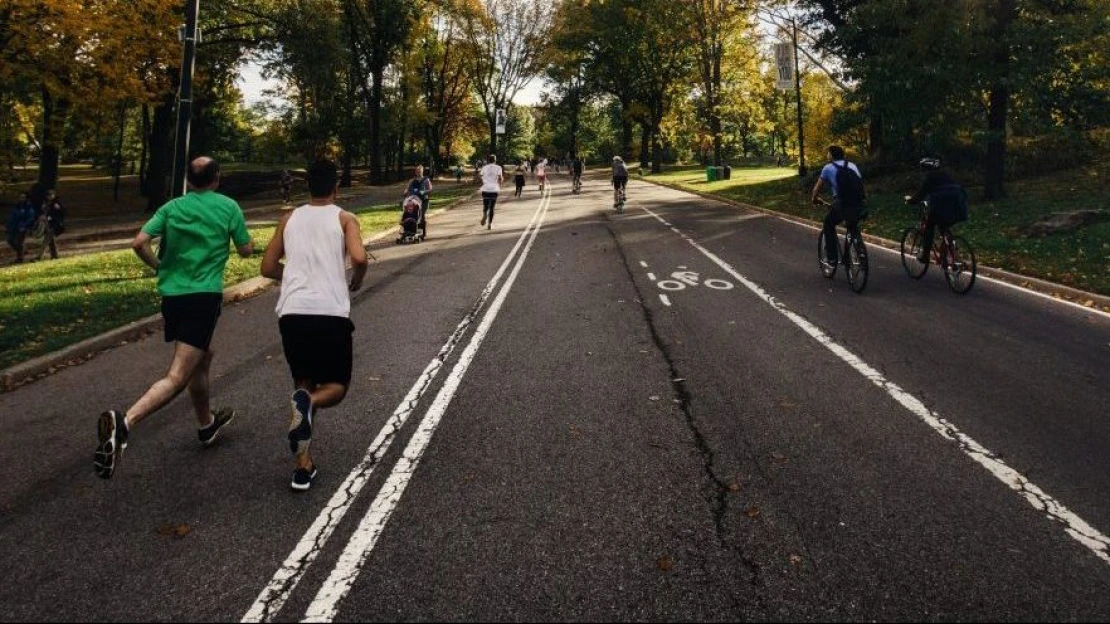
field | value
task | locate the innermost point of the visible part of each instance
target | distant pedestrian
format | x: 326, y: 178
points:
x: 421, y: 186
x: 314, y: 306
x: 20, y: 222
x: 286, y: 185
x: 541, y: 173
x: 518, y: 178
x: 458, y: 174
x: 492, y: 177
x: 53, y: 217
x: 190, y: 264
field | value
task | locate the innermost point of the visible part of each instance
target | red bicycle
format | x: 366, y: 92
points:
x: 953, y: 253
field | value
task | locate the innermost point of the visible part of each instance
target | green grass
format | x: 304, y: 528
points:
x: 1078, y: 258
x: 46, y: 306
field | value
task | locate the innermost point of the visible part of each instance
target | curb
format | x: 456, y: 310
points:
x: 1079, y: 297
x: 81, y: 352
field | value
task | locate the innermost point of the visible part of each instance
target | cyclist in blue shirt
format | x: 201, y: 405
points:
x: 840, y: 210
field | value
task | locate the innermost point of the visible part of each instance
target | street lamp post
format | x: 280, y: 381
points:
x: 798, y: 93
x: 185, y: 98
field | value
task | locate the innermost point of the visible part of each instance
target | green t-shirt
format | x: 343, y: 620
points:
x: 195, y: 230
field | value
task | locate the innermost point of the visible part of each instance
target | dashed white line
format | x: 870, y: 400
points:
x: 274, y: 596
x: 651, y: 276
x: 1076, y: 527
x: 665, y: 299
x: 643, y: 264
x: 326, y: 603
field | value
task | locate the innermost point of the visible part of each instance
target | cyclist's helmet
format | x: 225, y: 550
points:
x: 929, y: 164
x: 617, y: 159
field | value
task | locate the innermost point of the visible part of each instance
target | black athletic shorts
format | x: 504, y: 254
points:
x: 191, y: 319
x: 318, y: 348
x: 620, y: 182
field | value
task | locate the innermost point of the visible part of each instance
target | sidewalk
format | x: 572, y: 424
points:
x: 95, y: 234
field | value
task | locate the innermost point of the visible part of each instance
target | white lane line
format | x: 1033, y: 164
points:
x: 665, y: 299
x: 1076, y: 527
x: 651, y: 276
x: 274, y: 596
x: 326, y: 603
x: 643, y: 264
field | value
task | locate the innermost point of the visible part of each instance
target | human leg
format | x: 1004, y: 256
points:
x: 927, y: 240
x: 187, y: 359
x: 832, y: 217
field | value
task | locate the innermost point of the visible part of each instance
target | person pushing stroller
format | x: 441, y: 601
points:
x: 414, y: 208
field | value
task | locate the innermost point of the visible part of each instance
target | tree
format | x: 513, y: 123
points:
x: 506, y: 40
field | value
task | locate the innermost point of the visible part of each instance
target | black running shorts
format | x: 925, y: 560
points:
x: 318, y: 348
x: 191, y: 319
x: 620, y: 182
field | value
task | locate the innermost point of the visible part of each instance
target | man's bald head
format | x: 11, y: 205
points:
x: 204, y: 173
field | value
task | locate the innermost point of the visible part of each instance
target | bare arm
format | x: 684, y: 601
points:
x: 816, y: 195
x: 141, y: 246
x: 272, y: 266
x: 246, y: 251
x: 352, y: 236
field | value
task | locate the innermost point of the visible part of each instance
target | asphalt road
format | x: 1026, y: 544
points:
x: 662, y: 415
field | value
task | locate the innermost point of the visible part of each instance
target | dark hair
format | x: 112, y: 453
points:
x: 836, y: 152
x: 204, y: 175
x: 322, y: 178
x: 491, y: 158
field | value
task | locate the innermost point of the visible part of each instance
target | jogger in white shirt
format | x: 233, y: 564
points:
x: 314, y: 307
x: 492, y: 177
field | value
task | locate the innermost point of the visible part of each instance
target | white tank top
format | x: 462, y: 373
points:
x: 314, y: 280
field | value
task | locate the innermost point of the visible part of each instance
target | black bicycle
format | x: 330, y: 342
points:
x: 853, y: 256
x: 953, y: 253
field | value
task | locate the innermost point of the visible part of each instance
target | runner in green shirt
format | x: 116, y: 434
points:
x: 195, y: 231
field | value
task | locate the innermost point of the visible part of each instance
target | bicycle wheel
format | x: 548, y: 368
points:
x: 959, y: 265
x: 857, y: 267
x: 828, y: 270
x: 911, y: 249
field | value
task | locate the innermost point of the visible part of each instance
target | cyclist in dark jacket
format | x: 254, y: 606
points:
x: 945, y: 197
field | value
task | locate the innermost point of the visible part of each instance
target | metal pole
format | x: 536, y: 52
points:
x: 798, y: 92
x: 185, y: 99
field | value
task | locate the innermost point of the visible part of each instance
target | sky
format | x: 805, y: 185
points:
x: 252, y: 84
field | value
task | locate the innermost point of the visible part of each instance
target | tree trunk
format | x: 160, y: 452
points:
x: 119, y: 150
x: 142, y: 155
x: 998, y: 109
x: 54, y: 114
x: 714, y: 105
x: 375, y: 126
x: 645, y: 145
x: 161, y: 146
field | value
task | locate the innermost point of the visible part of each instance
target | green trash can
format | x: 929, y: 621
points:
x: 710, y: 174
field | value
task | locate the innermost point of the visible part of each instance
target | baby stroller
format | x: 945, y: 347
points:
x: 412, y: 219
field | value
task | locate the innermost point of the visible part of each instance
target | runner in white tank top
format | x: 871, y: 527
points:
x: 314, y: 307
x: 315, y: 276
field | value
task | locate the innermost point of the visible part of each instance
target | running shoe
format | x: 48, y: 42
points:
x: 111, y: 432
x: 483, y: 220
x: 300, y: 427
x: 302, y: 478
x: 220, y: 418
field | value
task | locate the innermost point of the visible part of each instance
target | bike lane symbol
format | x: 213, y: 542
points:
x: 683, y: 279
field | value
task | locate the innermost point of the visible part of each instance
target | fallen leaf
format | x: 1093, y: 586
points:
x: 779, y: 457
x: 753, y: 511
x: 734, y: 487
x: 665, y: 563
x: 678, y: 379
x: 175, y: 530
x: 796, y: 559
x: 654, y: 397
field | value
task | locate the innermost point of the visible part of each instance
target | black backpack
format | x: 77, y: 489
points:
x: 849, y: 189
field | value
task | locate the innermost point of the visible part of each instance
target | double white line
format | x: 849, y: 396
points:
x: 323, y: 608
